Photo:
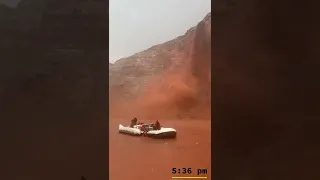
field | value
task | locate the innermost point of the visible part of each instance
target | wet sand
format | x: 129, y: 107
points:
x: 141, y: 158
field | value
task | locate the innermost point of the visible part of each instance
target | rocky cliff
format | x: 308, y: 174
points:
x: 178, y: 67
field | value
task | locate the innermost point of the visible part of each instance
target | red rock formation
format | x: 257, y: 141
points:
x: 169, y: 80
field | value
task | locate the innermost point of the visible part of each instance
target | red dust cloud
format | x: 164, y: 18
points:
x: 175, y: 94
x: 180, y: 92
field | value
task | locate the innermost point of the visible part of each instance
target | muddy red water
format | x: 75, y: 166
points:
x: 141, y: 158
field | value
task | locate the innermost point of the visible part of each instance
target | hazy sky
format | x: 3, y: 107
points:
x: 136, y: 25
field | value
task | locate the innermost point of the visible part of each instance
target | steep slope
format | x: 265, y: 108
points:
x: 173, y: 75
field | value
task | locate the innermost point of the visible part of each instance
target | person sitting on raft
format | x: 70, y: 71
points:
x: 133, y: 122
x: 144, y: 130
x: 156, y: 125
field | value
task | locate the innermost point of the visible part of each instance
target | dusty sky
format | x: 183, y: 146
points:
x: 136, y: 25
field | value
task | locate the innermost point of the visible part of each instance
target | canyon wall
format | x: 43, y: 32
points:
x: 169, y: 80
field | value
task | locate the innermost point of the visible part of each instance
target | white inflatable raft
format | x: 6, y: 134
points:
x: 135, y: 131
